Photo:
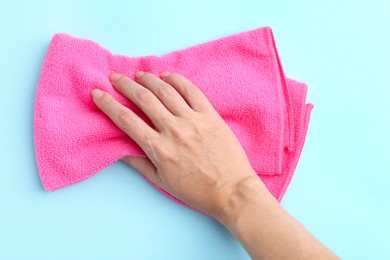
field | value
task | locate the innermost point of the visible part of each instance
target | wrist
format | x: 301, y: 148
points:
x: 246, y: 195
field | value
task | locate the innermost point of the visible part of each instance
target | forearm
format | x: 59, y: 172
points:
x: 265, y: 229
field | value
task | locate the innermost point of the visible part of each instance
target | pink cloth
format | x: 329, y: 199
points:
x: 240, y: 74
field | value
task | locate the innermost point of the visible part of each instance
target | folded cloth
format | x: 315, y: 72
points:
x: 240, y: 74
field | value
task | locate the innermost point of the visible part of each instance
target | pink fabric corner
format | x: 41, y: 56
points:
x: 241, y: 75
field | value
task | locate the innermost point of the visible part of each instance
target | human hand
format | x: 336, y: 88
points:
x: 191, y: 153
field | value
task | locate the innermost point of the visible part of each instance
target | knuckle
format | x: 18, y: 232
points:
x: 143, y: 96
x: 165, y: 91
x: 178, y: 135
x: 169, y: 122
x: 184, y: 84
x: 145, y: 77
x: 123, y: 81
x: 124, y: 120
x: 164, y: 155
x: 174, y: 77
x: 189, y: 89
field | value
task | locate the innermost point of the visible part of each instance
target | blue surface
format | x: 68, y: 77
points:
x: 340, y: 191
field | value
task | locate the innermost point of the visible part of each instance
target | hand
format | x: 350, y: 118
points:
x: 191, y: 153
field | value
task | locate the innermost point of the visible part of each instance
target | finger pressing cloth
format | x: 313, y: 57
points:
x: 240, y: 74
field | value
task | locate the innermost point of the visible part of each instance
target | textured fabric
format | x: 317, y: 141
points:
x: 240, y: 74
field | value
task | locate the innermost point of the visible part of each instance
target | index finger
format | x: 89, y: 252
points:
x: 124, y: 118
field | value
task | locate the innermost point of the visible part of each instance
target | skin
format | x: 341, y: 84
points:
x: 185, y: 158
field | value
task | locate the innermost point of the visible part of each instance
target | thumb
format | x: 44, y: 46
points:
x: 145, y: 167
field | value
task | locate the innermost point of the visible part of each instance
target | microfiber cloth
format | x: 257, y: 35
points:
x: 240, y: 74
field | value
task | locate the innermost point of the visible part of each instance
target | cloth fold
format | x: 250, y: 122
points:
x: 241, y: 75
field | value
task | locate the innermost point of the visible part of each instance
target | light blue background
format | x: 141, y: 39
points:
x: 340, y: 191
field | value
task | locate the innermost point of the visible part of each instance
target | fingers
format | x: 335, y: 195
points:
x: 145, y: 167
x: 192, y: 95
x: 171, y: 99
x: 143, y: 98
x: 124, y: 118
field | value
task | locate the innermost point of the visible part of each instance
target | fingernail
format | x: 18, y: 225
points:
x: 115, y: 76
x: 96, y: 93
x: 139, y: 74
x: 164, y: 74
